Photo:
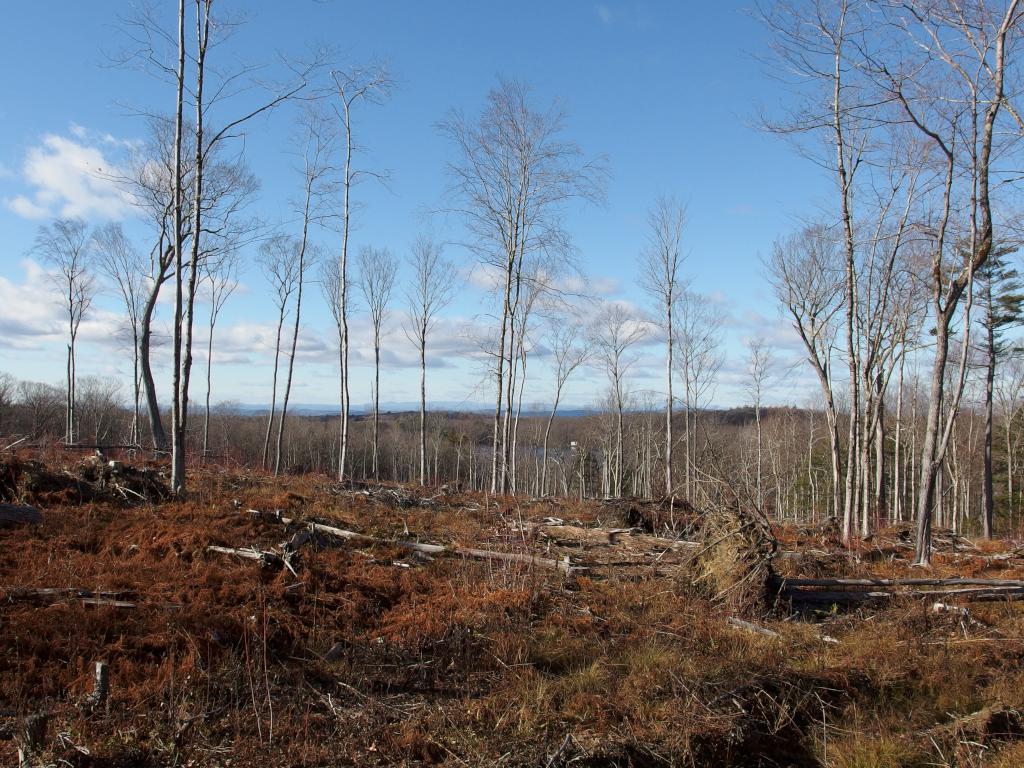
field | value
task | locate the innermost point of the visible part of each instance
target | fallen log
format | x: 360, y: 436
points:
x: 565, y: 566
x: 852, y: 596
x: 19, y: 514
x: 575, y: 536
x: 84, y: 596
x: 785, y: 581
x: 53, y: 593
x: 833, y: 597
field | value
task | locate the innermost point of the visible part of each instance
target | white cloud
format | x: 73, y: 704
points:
x: 71, y: 177
x: 27, y: 209
x: 604, y: 13
x: 32, y: 317
x: 26, y: 322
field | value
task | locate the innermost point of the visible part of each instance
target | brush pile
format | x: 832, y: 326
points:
x: 735, y: 562
x: 93, y: 479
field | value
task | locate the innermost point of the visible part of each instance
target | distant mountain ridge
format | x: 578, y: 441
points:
x: 451, y: 406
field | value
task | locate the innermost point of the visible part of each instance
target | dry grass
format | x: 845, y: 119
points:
x: 373, y: 657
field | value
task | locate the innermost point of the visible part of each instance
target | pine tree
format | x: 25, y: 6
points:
x: 1002, y: 298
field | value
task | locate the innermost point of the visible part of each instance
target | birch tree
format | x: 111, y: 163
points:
x: 661, y: 264
x: 615, y: 332
x: 759, y: 375
x: 431, y: 290
x: 313, y: 208
x: 512, y: 178
x: 698, y: 358
x: 125, y: 268
x: 815, y: 44
x: 569, y: 349
x: 65, y: 247
x: 377, y: 271
x: 949, y: 71
x: 221, y: 278
x: 368, y: 85
x: 279, y: 261
x: 805, y: 271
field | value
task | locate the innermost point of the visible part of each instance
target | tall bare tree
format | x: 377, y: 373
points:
x: 313, y: 208
x: 377, y: 271
x: 699, y: 357
x: 569, y: 349
x: 221, y: 278
x: 759, y: 373
x: 816, y: 43
x: 65, y: 247
x: 360, y: 85
x: 512, y: 178
x: 190, y: 199
x: 660, y: 267
x: 806, y: 273
x: 949, y: 70
x: 431, y: 290
x: 279, y: 260
x: 614, y: 333
x: 125, y: 267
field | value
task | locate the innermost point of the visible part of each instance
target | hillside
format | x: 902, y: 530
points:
x: 547, y: 633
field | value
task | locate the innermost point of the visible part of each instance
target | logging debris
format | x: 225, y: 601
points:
x: 564, y: 565
x: 735, y: 558
x: 92, y: 479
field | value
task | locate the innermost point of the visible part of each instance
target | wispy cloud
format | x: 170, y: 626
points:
x: 604, y: 13
x: 72, y: 176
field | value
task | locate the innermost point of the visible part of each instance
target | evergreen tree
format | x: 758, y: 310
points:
x: 1001, y: 294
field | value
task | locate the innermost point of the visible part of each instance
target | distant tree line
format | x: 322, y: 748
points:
x: 901, y: 288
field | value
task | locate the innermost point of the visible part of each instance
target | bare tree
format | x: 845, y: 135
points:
x: 431, y: 290
x: 513, y: 177
x: 817, y: 41
x: 1009, y: 394
x: 361, y: 85
x: 8, y: 392
x: 946, y: 71
x: 313, y: 208
x: 569, y: 349
x: 65, y: 247
x: 125, y: 267
x: 699, y: 356
x: 377, y: 271
x: 221, y: 278
x: 280, y: 263
x: 614, y: 333
x: 760, y: 373
x: 190, y: 201
x: 661, y: 263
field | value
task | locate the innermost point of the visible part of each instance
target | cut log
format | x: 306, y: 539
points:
x: 19, y: 514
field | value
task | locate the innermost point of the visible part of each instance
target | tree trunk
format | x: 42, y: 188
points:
x: 177, y: 434
x: 990, y: 374
x: 423, y: 404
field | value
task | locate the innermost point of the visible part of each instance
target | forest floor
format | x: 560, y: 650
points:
x: 338, y: 650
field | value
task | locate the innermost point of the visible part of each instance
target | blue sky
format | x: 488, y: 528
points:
x: 668, y: 92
